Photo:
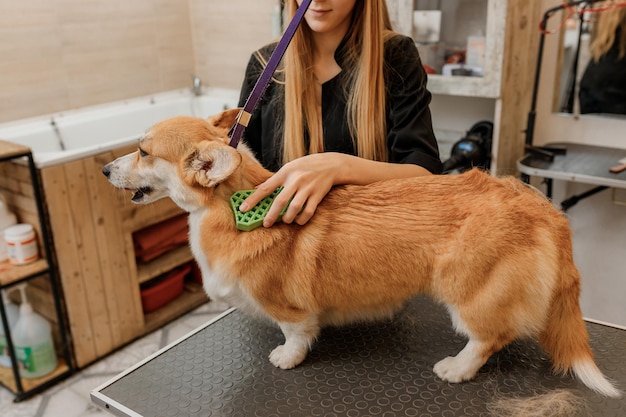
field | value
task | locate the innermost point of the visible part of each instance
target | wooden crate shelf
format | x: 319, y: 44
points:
x: 13, y: 273
x: 6, y: 377
x: 20, y: 186
x: 163, y: 264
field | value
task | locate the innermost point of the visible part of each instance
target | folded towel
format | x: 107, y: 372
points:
x: 153, y: 241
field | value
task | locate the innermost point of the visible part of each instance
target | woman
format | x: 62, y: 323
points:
x: 603, y: 85
x: 348, y: 106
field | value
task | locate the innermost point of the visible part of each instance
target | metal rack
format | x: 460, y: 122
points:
x: 19, y: 274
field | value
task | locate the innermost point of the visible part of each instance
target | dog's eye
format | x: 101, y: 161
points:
x: 142, y: 153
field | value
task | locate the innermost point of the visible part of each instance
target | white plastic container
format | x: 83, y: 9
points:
x: 32, y: 337
x: 12, y: 312
x: 21, y: 244
x: 7, y: 219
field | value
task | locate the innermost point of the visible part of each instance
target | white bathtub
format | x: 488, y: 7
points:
x: 67, y: 136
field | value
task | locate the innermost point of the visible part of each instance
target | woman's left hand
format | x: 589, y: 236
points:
x: 307, y: 179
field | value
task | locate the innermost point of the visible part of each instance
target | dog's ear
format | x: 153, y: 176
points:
x: 224, y: 120
x: 211, y: 164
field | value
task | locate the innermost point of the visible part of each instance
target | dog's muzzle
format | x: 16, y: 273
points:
x: 138, y: 194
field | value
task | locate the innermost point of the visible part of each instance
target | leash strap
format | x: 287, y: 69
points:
x: 264, y: 79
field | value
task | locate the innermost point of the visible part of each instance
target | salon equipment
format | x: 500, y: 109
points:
x: 473, y: 150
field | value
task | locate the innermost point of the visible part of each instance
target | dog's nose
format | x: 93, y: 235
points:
x: 106, y: 170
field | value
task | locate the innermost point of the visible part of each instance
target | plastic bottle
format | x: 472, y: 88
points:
x: 7, y: 219
x: 32, y: 337
x: 12, y: 312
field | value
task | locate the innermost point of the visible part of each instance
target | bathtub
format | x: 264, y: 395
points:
x: 75, y: 134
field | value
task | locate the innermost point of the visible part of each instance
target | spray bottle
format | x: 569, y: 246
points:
x: 12, y: 313
x: 32, y: 337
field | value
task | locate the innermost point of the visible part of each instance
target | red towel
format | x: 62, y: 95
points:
x: 155, y: 240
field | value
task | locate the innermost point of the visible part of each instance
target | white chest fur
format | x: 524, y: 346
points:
x: 219, y: 284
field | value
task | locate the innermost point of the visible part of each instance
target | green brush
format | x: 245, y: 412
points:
x: 253, y: 218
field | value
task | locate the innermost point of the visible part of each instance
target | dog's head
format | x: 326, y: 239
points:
x: 182, y: 158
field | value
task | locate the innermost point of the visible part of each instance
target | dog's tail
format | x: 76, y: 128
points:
x: 565, y: 336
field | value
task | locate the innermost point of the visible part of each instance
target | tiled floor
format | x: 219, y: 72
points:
x: 70, y: 398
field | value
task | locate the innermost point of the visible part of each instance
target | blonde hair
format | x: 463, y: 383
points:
x: 604, y: 32
x: 365, y: 91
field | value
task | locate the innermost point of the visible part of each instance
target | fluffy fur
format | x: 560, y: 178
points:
x: 493, y: 250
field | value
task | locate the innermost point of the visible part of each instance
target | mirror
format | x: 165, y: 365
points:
x: 593, y: 60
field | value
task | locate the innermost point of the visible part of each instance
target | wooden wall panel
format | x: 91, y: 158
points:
x: 71, y: 276
x: 520, y: 51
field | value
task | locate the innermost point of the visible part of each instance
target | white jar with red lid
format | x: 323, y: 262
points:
x: 21, y: 244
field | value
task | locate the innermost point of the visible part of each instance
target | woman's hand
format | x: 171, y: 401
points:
x: 307, y: 179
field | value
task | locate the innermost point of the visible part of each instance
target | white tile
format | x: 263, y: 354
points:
x: 66, y: 403
x: 27, y: 408
x: 113, y: 364
x: 146, y: 346
x: 86, y: 384
x: 177, y: 330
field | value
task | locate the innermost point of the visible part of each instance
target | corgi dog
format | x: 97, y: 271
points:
x: 494, y: 251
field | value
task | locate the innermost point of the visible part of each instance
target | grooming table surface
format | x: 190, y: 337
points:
x: 381, y: 369
x: 581, y: 163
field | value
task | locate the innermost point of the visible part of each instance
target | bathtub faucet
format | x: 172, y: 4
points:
x: 196, y: 87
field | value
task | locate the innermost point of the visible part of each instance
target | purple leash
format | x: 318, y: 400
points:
x: 261, y: 84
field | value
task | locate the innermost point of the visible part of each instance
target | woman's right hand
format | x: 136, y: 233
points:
x: 307, y: 180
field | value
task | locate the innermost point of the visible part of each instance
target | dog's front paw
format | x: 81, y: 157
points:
x: 452, y: 370
x: 285, y: 358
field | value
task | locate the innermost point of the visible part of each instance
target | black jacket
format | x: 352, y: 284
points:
x: 603, y: 85
x: 410, y: 137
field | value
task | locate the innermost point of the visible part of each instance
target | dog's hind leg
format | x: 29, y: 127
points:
x: 473, y: 356
x: 466, y: 363
x: 298, y: 339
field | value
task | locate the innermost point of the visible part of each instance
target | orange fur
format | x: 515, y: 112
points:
x: 493, y: 250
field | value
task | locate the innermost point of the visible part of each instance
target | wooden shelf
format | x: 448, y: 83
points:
x: 193, y: 296
x: 13, y: 273
x: 6, y: 377
x: 10, y: 150
x: 163, y: 264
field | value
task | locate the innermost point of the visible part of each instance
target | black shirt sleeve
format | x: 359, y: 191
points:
x: 410, y: 136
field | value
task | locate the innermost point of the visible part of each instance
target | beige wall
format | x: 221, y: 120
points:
x: 63, y: 54
x: 225, y: 33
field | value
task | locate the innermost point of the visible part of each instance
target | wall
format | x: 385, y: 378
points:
x: 63, y: 54
x: 225, y: 34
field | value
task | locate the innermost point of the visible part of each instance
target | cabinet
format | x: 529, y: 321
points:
x: 92, y: 225
x: 511, y: 36
x: 43, y: 290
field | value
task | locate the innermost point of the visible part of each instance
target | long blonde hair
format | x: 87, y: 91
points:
x: 365, y: 91
x: 604, y: 32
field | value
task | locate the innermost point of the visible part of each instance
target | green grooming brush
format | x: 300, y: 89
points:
x: 253, y: 218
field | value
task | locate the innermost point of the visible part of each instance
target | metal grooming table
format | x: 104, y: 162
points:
x: 586, y: 164
x: 382, y: 369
